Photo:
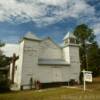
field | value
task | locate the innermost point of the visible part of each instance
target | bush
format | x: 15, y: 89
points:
x: 72, y: 82
x: 4, y: 86
x: 81, y: 78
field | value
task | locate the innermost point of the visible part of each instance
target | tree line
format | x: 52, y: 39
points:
x: 4, y: 70
x: 89, y: 49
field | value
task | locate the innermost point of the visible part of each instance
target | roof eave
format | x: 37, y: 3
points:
x: 54, y: 64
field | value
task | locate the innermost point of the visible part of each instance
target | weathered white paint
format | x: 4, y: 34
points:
x: 75, y: 62
x: 30, y: 50
x: 19, y: 64
x: 66, y: 53
x: 50, y: 50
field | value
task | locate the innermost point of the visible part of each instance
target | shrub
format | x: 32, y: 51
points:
x: 4, y: 85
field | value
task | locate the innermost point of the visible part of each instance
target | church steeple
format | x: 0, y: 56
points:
x: 69, y: 39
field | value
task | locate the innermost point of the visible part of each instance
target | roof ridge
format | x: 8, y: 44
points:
x: 31, y: 36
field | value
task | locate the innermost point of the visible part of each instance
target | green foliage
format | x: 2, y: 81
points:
x: 94, y: 58
x: 89, y: 50
x: 4, y: 62
x: 5, y: 85
x: 84, y: 33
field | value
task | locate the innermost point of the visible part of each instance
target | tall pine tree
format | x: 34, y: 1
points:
x: 88, y: 47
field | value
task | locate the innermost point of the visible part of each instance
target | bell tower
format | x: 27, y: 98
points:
x: 71, y: 55
x: 69, y: 39
x: 69, y: 45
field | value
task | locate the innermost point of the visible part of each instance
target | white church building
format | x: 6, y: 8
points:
x: 43, y: 61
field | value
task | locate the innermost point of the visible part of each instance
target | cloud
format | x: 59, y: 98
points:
x: 43, y: 12
x: 96, y: 28
x: 48, y: 12
x: 13, y: 10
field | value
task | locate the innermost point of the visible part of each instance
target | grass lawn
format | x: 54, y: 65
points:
x: 61, y: 93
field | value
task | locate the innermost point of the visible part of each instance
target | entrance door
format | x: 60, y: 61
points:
x: 57, y: 75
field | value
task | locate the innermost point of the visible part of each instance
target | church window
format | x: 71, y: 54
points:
x: 72, y: 40
x: 66, y: 41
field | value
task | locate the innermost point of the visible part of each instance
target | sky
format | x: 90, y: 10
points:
x: 52, y: 18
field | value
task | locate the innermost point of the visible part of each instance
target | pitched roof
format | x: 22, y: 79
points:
x: 51, y: 41
x: 31, y: 36
x: 53, y: 62
x: 69, y: 35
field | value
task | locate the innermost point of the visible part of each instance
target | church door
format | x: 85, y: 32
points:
x: 57, y: 75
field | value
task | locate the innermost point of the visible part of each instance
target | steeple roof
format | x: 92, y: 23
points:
x: 69, y: 35
x: 31, y: 36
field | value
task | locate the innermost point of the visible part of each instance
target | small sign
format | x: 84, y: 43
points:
x: 88, y: 76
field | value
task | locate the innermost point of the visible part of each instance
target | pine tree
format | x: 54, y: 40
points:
x: 85, y: 37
